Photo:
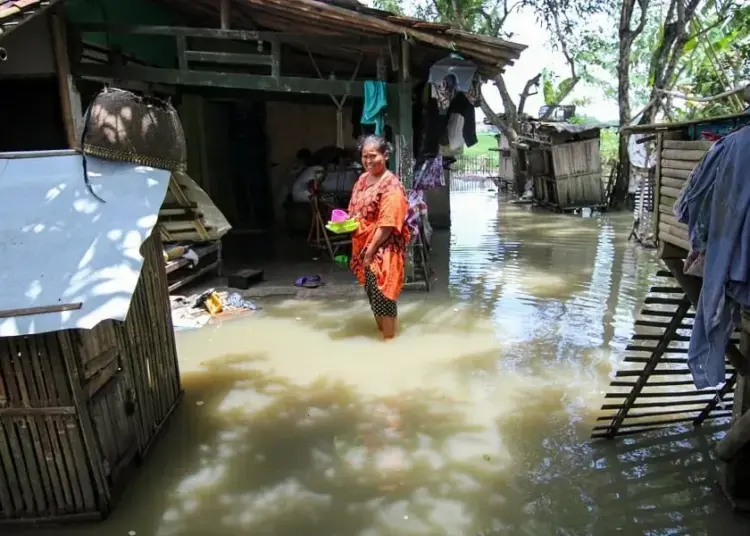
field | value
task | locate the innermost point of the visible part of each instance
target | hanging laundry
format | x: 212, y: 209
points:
x: 474, y: 94
x: 444, y: 92
x: 455, y: 132
x: 464, y: 108
x: 376, y: 102
x: 455, y: 66
x: 429, y: 174
x: 715, y: 204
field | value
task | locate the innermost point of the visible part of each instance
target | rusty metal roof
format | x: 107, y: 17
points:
x: 13, y: 13
x: 351, y: 19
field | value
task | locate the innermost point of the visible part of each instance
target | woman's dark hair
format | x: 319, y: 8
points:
x: 380, y: 142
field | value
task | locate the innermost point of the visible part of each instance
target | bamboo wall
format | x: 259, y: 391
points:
x: 677, y: 159
x: 78, y: 407
x: 577, y: 169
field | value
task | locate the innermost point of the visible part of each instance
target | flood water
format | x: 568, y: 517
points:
x: 474, y: 421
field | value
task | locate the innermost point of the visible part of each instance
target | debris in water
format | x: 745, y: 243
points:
x: 298, y: 318
x: 199, y: 403
x: 486, y: 457
x: 131, y: 533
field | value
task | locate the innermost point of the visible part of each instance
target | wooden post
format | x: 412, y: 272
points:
x: 404, y: 138
x: 225, y: 14
x: 70, y: 99
x: 734, y: 449
x: 657, y: 184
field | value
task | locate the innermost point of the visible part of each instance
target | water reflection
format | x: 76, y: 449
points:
x: 474, y: 421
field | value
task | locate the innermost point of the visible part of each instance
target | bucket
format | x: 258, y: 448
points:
x: 338, y: 215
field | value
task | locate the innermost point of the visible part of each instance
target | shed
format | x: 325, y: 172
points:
x: 88, y: 365
x: 679, y: 148
x: 564, y: 163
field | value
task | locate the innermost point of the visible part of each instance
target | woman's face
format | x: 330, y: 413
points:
x: 372, y: 159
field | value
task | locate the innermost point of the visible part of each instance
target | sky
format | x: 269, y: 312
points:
x: 539, y: 55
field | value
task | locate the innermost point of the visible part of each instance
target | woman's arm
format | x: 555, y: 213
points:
x: 379, y: 238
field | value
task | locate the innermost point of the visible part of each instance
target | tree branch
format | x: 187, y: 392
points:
x: 567, y: 90
x: 526, y: 93
x: 695, y: 98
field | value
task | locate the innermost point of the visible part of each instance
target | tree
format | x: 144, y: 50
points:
x: 667, y: 49
x: 489, y: 17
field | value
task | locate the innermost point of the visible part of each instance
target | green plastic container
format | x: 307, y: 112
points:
x: 348, y: 226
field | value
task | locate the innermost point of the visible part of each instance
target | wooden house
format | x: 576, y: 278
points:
x: 659, y: 381
x: 564, y: 163
x: 258, y: 81
x: 88, y: 365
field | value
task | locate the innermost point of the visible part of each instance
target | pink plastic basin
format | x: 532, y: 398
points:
x: 337, y: 216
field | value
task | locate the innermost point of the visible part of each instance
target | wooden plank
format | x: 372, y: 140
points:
x: 679, y: 164
x: 276, y: 59
x: 8, y: 480
x: 182, y: 61
x: 649, y: 425
x: 675, y: 240
x: 70, y: 99
x: 672, y: 183
x: 12, y: 313
x: 675, y: 231
x: 659, y: 404
x: 228, y: 58
x: 227, y: 34
x: 684, y: 155
x: 59, y: 394
x: 284, y: 84
x: 89, y: 441
x: 681, y: 174
x: 690, y: 145
x: 657, y: 180
x: 649, y: 367
x: 720, y: 395
x: 670, y: 192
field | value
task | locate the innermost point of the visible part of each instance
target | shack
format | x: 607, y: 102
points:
x: 88, y: 365
x: 564, y: 164
x: 672, y: 315
x: 271, y: 91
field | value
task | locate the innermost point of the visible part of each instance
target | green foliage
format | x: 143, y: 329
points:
x: 716, y: 59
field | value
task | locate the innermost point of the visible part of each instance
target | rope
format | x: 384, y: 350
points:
x: 339, y: 103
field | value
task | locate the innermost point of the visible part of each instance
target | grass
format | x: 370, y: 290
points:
x: 486, y: 142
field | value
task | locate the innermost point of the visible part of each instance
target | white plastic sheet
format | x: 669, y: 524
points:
x: 60, y: 245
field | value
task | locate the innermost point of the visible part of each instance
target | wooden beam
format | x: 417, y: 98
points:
x: 648, y: 369
x: 235, y: 35
x: 225, y: 14
x: 106, y: 73
x: 231, y: 58
x: 70, y: 99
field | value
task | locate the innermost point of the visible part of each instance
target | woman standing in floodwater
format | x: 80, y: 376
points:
x: 379, y: 243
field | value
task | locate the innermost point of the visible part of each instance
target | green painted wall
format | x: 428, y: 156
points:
x: 158, y: 50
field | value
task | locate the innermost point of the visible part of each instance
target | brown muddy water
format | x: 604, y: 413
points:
x: 474, y: 421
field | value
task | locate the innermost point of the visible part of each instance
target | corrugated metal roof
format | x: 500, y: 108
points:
x: 61, y: 247
x: 331, y: 18
x: 13, y: 13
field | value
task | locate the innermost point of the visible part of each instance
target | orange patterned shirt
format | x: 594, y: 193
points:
x: 383, y: 204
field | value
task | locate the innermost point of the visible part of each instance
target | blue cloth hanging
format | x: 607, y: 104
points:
x: 376, y: 101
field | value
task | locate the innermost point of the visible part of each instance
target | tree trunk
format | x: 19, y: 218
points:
x: 622, y: 178
x: 627, y: 36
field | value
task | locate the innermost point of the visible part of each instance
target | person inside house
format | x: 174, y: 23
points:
x: 379, y: 203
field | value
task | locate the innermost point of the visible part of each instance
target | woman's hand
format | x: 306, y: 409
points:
x: 367, y: 258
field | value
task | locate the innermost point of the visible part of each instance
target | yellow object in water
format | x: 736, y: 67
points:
x: 213, y: 304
